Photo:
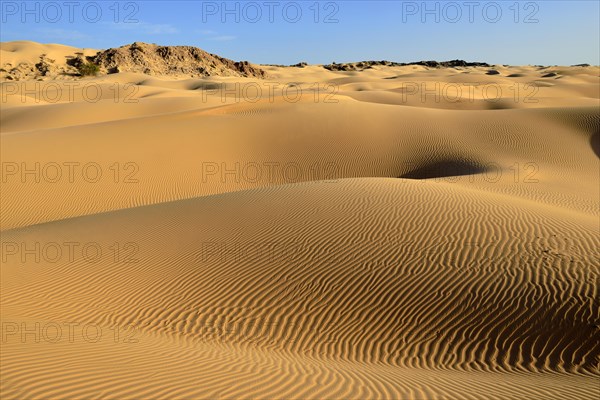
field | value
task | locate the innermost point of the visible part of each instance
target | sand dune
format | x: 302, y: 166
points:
x: 196, y: 238
x: 504, y: 287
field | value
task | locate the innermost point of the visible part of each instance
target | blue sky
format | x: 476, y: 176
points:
x: 285, y: 32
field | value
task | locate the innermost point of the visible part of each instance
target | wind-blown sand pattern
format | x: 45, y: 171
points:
x: 402, y: 247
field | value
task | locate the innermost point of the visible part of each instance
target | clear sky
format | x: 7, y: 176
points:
x: 285, y: 32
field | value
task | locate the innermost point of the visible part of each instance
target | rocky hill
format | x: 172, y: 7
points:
x: 150, y: 59
x: 362, y: 65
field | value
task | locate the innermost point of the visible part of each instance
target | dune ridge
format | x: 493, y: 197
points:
x: 375, y: 298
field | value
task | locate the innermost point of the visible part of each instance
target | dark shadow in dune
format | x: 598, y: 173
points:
x: 595, y: 142
x: 208, y: 86
x: 501, y: 104
x: 444, y: 169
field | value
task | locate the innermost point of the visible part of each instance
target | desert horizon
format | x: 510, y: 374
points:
x: 181, y: 222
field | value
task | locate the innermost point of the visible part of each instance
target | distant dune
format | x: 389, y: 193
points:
x: 375, y: 231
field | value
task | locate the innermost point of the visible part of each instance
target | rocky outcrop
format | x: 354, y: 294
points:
x: 362, y: 65
x: 45, y: 68
x: 138, y: 57
x: 152, y: 59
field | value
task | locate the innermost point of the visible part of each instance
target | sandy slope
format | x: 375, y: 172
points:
x: 361, y: 242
